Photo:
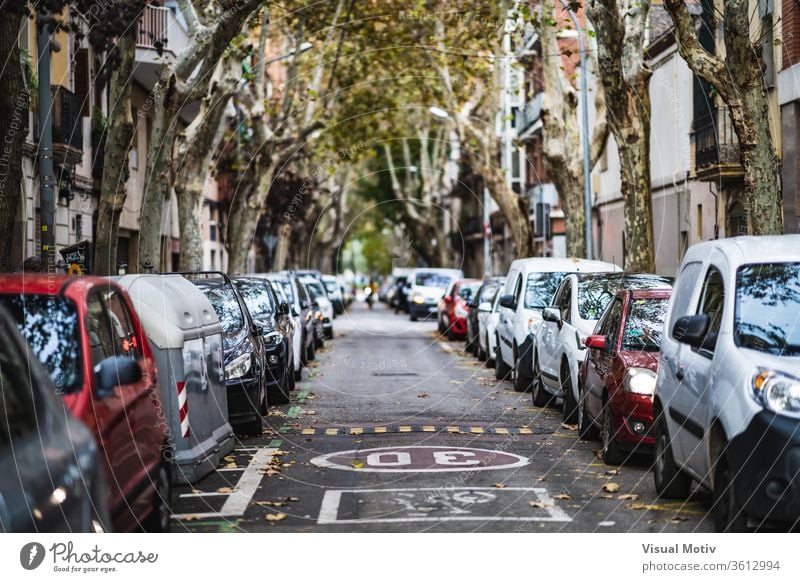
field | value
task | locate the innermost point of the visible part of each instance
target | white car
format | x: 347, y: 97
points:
x: 530, y: 285
x: 485, y: 302
x: 488, y: 331
x: 426, y: 287
x: 319, y: 295
x: 727, y: 396
x: 559, y: 338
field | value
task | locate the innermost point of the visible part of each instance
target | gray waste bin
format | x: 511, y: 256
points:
x: 186, y: 338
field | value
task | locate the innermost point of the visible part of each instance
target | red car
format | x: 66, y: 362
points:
x: 453, y: 308
x: 618, y: 377
x: 87, y: 335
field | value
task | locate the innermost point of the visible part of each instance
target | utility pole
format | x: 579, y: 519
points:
x: 587, y: 187
x: 47, y: 202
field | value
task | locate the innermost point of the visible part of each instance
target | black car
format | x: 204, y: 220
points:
x: 276, y: 335
x: 51, y: 479
x: 302, y: 311
x: 243, y: 352
x: 399, y: 296
x: 485, y: 294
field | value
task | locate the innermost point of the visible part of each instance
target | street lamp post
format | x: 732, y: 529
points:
x: 587, y: 190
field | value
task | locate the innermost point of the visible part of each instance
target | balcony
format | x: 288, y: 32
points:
x: 67, y: 126
x: 528, y: 116
x: 716, y: 147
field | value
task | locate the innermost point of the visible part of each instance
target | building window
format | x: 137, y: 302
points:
x: 212, y: 234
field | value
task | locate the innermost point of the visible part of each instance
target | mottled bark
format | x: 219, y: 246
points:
x: 119, y: 137
x: 513, y: 207
x: 14, y: 99
x: 738, y: 80
x: 620, y: 28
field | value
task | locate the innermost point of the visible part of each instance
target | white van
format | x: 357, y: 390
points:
x: 727, y: 399
x: 426, y: 287
x: 530, y: 286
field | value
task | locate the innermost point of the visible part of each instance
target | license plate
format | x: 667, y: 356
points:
x: 431, y: 309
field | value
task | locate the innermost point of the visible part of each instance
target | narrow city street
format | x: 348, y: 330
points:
x: 393, y: 428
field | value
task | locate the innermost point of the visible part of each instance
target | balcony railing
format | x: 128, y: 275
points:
x: 67, y: 121
x: 529, y: 114
x: 716, y: 147
x: 153, y: 28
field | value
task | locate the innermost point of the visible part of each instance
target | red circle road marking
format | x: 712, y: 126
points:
x: 419, y: 459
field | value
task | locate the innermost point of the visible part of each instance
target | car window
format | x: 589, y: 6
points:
x: 257, y: 298
x: 712, y: 303
x: 489, y: 291
x: 432, y: 280
x: 611, y: 323
x: 644, y: 325
x: 540, y: 288
x: 49, y: 323
x: 564, y: 303
x: 225, y: 305
x: 98, y: 329
x: 17, y: 409
x: 682, y: 294
x: 302, y: 293
x: 125, y: 342
x: 768, y: 308
x: 467, y: 291
x: 288, y: 290
x: 594, y: 294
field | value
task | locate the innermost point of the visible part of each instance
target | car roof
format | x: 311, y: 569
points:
x: 742, y: 250
x: 551, y: 264
x: 49, y: 283
x: 641, y: 280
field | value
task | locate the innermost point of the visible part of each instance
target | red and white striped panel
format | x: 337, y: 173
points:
x: 183, y: 408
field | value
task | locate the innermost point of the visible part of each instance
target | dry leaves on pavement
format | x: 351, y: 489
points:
x: 611, y: 487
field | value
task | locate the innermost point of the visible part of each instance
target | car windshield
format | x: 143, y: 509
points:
x: 768, y: 308
x: 224, y: 302
x: 330, y: 286
x: 257, y: 298
x: 644, y: 324
x: 287, y: 289
x: 596, y: 291
x: 490, y: 291
x: 432, y: 280
x: 50, y: 324
x: 466, y: 292
x: 314, y: 288
x: 540, y: 289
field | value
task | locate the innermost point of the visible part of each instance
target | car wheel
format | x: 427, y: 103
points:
x: 412, y: 317
x: 501, y: 370
x: 442, y: 328
x: 480, y: 353
x: 311, y: 354
x: 263, y: 403
x: 670, y: 481
x: 279, y: 393
x: 587, y: 431
x: 298, y: 374
x: 541, y: 397
x: 159, y: 519
x: 253, y: 427
x: 451, y: 335
x: 612, y: 455
x: 570, y: 407
x: 729, y: 516
x: 292, y: 375
x: 522, y: 383
x: 490, y: 361
x: 303, y: 352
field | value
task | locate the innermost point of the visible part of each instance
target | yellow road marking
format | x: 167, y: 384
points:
x: 452, y: 429
x: 355, y: 430
x: 404, y: 429
x: 380, y: 429
x: 331, y: 431
x: 525, y: 430
x: 309, y: 431
x: 501, y: 431
x: 428, y: 429
x: 476, y: 430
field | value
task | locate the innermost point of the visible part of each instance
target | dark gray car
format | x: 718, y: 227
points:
x: 50, y: 477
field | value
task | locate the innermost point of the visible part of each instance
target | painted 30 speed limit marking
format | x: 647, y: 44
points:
x: 419, y: 459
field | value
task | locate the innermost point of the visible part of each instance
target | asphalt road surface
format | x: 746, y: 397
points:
x: 395, y: 429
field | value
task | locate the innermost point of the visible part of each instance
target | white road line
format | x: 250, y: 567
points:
x: 329, y: 510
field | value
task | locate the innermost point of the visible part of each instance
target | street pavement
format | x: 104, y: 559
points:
x: 393, y: 428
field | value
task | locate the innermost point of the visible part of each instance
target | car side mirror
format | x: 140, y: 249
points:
x: 553, y: 315
x: 283, y: 308
x: 485, y: 307
x: 596, y: 342
x: 115, y: 371
x: 508, y: 301
x: 315, y: 304
x: 691, y: 329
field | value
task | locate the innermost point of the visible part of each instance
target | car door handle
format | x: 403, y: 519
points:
x: 679, y: 374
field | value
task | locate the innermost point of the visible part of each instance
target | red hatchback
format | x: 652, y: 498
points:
x: 618, y: 377
x: 453, y: 308
x: 89, y: 338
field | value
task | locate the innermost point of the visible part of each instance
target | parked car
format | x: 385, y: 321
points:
x: 482, y: 298
x: 276, y: 335
x: 334, y: 293
x: 487, y: 331
x: 290, y: 322
x: 425, y: 288
x: 618, y: 376
x: 86, y: 333
x: 397, y: 296
x: 321, y: 303
x: 302, y: 314
x: 51, y: 477
x: 530, y: 286
x: 559, y: 337
x: 452, y: 309
x: 727, y: 400
x: 186, y: 338
x: 242, y: 351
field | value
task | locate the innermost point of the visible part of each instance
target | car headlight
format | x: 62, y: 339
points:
x: 238, y: 367
x: 272, y: 339
x: 777, y: 392
x: 461, y: 311
x: 640, y: 381
x: 418, y: 299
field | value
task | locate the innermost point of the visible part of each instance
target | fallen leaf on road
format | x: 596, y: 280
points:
x: 612, y: 472
x: 292, y: 499
x: 229, y: 458
x: 569, y: 426
x: 455, y: 382
x: 423, y: 395
x: 542, y: 479
x: 611, y: 487
x: 562, y: 496
x: 678, y: 519
x: 500, y: 485
x: 308, y: 412
x: 538, y: 504
x: 606, y: 496
x: 628, y: 496
x: 276, y: 516
x: 270, y: 503
x: 225, y: 490
x: 269, y: 472
x: 637, y: 506
x: 357, y: 464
